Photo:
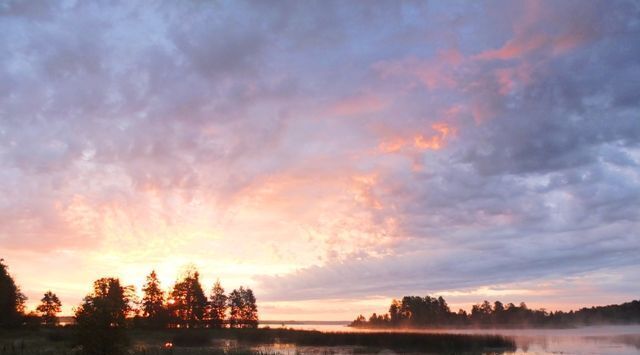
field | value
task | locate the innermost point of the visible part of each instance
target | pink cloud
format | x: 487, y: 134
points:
x: 516, y: 48
x: 358, y: 105
x: 529, y: 36
x: 523, y: 45
x: 436, y: 73
x: 511, y: 78
x: 569, y: 41
x: 483, y: 111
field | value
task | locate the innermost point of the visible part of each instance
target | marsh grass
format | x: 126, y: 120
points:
x: 60, y: 341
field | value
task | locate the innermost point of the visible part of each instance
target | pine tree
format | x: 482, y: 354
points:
x: 50, y: 305
x: 153, y: 308
x: 217, y: 306
x: 188, y: 302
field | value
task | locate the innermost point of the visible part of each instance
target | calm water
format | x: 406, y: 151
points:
x: 601, y: 340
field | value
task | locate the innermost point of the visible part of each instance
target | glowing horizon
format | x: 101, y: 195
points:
x: 331, y: 156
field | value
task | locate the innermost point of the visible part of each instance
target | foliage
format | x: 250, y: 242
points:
x: 153, y: 307
x: 111, y: 307
x: 102, y: 317
x: 11, y: 299
x: 49, y: 307
x: 187, y: 302
x: 415, y: 311
x: 217, y: 306
x: 243, y: 309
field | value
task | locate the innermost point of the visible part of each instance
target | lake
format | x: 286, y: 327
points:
x: 602, y: 340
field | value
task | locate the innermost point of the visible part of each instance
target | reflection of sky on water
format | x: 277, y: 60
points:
x: 602, y: 340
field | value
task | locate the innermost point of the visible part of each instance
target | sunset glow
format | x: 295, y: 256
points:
x: 331, y: 156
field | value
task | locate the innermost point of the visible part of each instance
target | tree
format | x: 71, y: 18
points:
x: 481, y: 313
x: 415, y: 311
x: 187, y: 302
x: 101, y: 318
x: 498, y: 312
x: 394, y: 311
x: 50, y: 305
x: 153, y: 308
x: 360, y: 321
x: 244, y: 311
x: 217, y: 306
x: 250, y: 310
x: 11, y: 299
x: 443, y: 312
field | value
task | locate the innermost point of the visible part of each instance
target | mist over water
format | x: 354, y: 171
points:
x: 604, y: 340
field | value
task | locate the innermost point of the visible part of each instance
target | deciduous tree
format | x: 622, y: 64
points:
x: 11, y: 299
x: 49, y: 307
x: 243, y: 309
x: 101, y: 318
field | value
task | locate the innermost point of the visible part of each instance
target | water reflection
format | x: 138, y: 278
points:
x: 604, y: 340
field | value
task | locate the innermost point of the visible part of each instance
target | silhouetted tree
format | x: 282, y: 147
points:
x: 101, y: 318
x: 217, y: 306
x: 11, y: 299
x: 243, y: 309
x: 414, y: 311
x: 360, y: 321
x: 49, y: 307
x: 187, y: 302
x: 498, y: 314
x: 250, y: 311
x: 394, y: 311
x: 152, y: 306
x: 481, y: 313
x: 379, y: 320
x: 443, y: 313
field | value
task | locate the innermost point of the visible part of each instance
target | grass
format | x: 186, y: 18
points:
x: 59, y: 341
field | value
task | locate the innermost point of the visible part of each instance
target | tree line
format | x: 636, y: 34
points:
x: 187, y: 306
x: 420, y: 312
x: 112, y: 305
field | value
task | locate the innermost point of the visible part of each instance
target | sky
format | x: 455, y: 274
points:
x: 331, y: 155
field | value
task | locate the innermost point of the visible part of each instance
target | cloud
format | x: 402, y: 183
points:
x: 322, y: 149
x: 359, y: 104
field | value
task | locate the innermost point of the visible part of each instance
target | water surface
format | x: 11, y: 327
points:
x: 601, y: 340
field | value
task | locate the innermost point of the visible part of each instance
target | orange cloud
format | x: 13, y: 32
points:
x: 434, y: 142
x: 393, y: 145
x: 421, y: 142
